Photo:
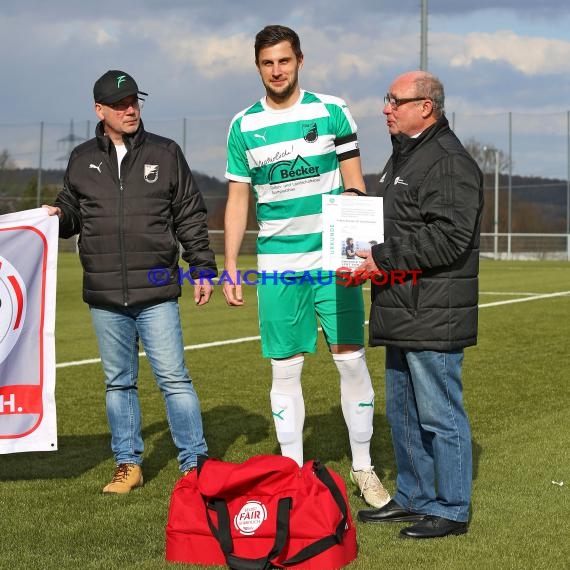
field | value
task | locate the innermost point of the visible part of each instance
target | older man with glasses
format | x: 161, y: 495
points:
x: 433, y: 201
x: 132, y: 199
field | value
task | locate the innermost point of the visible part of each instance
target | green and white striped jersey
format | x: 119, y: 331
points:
x: 291, y: 158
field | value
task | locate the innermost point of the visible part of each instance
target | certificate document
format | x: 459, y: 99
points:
x: 350, y: 223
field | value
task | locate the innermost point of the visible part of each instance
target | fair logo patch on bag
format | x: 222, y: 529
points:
x: 250, y: 517
x: 151, y: 173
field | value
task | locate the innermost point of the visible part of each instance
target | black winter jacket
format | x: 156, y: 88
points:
x: 433, y: 200
x: 134, y: 224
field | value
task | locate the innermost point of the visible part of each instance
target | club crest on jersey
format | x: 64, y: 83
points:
x: 310, y: 133
x: 13, y: 300
x: 151, y: 173
x: 250, y: 517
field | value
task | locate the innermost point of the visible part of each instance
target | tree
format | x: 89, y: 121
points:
x: 29, y: 199
x: 6, y: 202
x: 6, y: 162
x: 484, y: 156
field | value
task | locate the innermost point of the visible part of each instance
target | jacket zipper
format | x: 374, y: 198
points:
x: 122, y: 244
x: 415, y: 297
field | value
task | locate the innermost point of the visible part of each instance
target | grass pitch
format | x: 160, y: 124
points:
x: 53, y: 515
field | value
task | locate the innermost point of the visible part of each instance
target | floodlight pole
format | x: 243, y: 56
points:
x: 496, y: 217
x: 39, y: 177
x: 423, y: 39
x: 510, y: 190
x: 568, y: 187
x: 184, y: 136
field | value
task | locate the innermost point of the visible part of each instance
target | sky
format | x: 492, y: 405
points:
x: 503, y: 63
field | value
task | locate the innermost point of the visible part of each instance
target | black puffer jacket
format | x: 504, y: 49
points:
x: 433, y: 201
x: 131, y: 225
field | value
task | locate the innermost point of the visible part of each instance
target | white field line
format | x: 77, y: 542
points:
x: 254, y: 338
x: 187, y: 347
x: 497, y: 293
x: 535, y: 298
x: 509, y: 293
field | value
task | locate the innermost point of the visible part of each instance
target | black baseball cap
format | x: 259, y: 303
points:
x: 114, y: 86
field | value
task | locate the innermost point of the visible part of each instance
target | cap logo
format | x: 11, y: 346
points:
x: 121, y: 79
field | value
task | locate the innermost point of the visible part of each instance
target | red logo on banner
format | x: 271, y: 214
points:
x: 12, y: 307
x: 21, y: 389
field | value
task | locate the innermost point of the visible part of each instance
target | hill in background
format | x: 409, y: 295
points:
x: 538, y: 204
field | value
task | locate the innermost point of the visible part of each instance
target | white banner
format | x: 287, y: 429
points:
x: 28, y: 271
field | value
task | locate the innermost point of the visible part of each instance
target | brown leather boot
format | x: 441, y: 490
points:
x: 127, y: 476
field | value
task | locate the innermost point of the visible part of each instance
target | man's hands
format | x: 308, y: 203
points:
x: 366, y: 270
x: 53, y: 211
x: 368, y: 265
x: 202, y: 292
x: 232, y: 291
x: 354, y: 192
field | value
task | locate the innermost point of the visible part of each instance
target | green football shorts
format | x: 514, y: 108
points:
x: 288, y: 308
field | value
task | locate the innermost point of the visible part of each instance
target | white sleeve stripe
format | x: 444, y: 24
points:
x: 236, y: 178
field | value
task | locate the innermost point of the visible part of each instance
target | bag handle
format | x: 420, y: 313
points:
x: 323, y: 544
x: 224, y: 537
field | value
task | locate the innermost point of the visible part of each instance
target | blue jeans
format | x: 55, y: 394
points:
x: 430, y: 432
x: 158, y: 327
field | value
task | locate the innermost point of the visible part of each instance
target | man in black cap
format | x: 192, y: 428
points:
x: 131, y: 197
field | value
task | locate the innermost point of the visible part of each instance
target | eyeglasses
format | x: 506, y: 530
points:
x: 122, y: 106
x: 394, y: 102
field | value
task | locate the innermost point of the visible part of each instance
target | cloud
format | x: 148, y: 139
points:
x: 529, y: 55
x: 531, y: 8
x: 212, y: 56
x: 367, y: 107
x: 196, y: 60
x: 102, y: 37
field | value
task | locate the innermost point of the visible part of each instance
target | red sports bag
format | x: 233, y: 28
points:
x: 263, y: 513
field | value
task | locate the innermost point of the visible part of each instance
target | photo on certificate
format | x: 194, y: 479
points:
x: 350, y: 224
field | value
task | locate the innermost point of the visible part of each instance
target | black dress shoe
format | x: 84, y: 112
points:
x: 434, y: 527
x: 390, y: 512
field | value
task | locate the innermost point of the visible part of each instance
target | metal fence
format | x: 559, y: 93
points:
x: 537, y: 144
x: 528, y: 193
x: 493, y: 246
x: 496, y: 246
x: 526, y: 246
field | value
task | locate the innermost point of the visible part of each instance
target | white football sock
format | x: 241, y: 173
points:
x: 288, y: 406
x: 357, y: 401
